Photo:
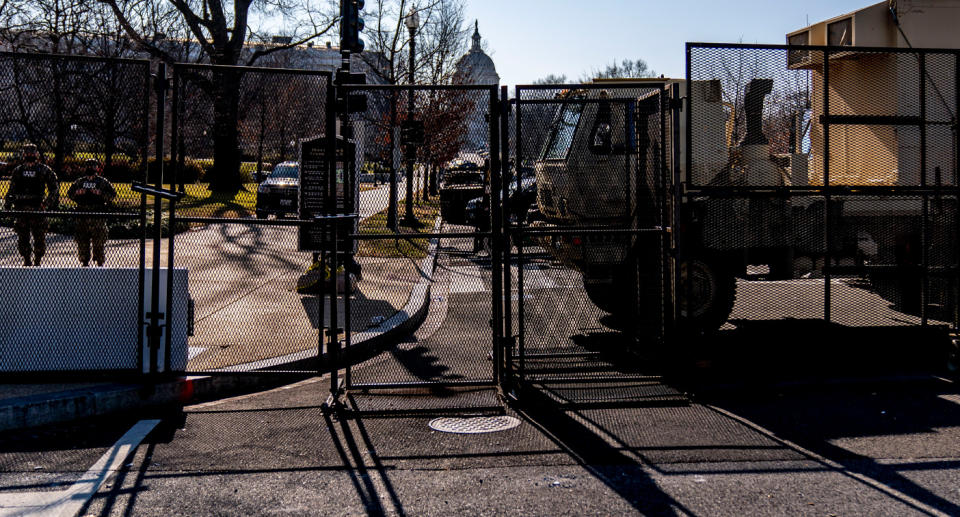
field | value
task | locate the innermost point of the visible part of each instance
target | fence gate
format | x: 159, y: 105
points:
x: 587, y: 215
x: 74, y: 108
x: 255, y: 312
x: 425, y: 256
x: 825, y: 197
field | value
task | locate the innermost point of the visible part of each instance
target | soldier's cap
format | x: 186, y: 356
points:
x: 29, y: 149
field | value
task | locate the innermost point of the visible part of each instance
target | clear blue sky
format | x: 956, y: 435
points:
x: 529, y: 39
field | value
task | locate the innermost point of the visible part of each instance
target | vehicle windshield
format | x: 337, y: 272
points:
x: 286, y: 171
x: 561, y: 134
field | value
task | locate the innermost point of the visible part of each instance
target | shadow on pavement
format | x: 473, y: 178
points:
x: 884, y: 432
x: 362, y: 308
x: 797, y: 350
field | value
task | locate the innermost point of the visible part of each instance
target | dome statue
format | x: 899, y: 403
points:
x: 476, y: 67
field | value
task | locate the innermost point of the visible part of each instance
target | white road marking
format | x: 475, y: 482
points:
x: 950, y: 398
x: 69, y: 502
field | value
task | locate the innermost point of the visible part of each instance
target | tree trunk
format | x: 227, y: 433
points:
x: 60, y: 123
x: 111, y: 104
x: 434, y: 186
x: 225, y: 176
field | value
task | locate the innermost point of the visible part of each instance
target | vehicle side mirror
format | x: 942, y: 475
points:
x: 601, y: 139
x: 601, y: 135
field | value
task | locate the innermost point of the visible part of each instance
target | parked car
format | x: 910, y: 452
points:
x: 461, y: 181
x: 520, y: 202
x: 278, y: 193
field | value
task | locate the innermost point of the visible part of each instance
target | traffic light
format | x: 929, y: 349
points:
x: 350, y: 25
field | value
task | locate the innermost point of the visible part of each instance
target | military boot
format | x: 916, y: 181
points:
x: 36, y: 261
x: 26, y: 261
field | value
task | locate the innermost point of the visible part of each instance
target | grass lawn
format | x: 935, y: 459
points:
x: 406, y: 244
x: 199, y: 202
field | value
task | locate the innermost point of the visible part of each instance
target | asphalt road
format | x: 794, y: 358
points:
x: 597, y: 435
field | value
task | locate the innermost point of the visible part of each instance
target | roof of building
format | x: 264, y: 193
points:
x: 476, y: 67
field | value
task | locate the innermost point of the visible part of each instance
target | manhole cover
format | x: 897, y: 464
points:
x: 474, y: 425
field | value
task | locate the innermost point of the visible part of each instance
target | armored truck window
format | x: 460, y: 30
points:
x: 561, y: 134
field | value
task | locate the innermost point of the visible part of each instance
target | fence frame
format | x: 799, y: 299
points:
x: 828, y: 191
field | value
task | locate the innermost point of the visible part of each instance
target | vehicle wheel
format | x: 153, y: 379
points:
x: 613, y: 292
x: 706, y: 295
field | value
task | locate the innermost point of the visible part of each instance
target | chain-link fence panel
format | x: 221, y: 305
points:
x: 824, y: 177
x: 256, y: 297
x: 587, y: 268
x: 74, y: 136
x: 426, y: 162
x: 237, y: 135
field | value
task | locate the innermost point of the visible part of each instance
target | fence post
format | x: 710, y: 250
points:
x: 497, y: 219
x: 155, y: 328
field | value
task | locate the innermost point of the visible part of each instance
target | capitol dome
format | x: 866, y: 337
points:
x: 476, y: 67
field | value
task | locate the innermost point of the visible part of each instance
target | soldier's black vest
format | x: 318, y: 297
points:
x: 88, y: 200
x: 31, y: 184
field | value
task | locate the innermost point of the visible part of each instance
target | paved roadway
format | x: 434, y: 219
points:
x: 799, y: 441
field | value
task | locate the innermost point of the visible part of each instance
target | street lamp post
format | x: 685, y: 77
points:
x: 412, y: 22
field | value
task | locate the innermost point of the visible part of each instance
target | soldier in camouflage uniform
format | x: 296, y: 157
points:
x: 92, y: 193
x: 34, y: 188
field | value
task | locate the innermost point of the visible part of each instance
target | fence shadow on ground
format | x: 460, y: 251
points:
x: 801, y: 350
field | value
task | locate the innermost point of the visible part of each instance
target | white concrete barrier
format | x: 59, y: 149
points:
x: 74, y: 319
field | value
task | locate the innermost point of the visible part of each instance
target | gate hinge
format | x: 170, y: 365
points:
x: 677, y: 104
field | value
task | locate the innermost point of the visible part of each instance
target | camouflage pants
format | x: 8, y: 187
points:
x: 35, y: 225
x: 91, y: 230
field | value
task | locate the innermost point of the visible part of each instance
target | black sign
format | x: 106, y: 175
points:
x: 322, y: 195
x: 411, y: 132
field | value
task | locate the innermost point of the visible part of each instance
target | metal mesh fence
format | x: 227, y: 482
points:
x: 235, y: 127
x: 74, y: 109
x: 59, y: 216
x: 424, y: 249
x: 587, y: 263
x: 825, y: 178
x: 236, y: 155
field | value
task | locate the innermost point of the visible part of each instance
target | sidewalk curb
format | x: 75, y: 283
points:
x: 65, y: 406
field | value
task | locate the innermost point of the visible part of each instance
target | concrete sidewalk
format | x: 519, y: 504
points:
x: 389, y: 302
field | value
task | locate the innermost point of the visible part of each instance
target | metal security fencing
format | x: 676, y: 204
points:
x: 235, y: 149
x: 415, y: 239
x: 61, y: 317
x: 426, y: 245
x: 824, y: 179
x: 587, y: 212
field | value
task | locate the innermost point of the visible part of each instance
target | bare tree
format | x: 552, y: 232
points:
x: 220, y: 32
x: 47, y: 93
x: 552, y: 79
x: 440, y: 41
x: 625, y: 69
